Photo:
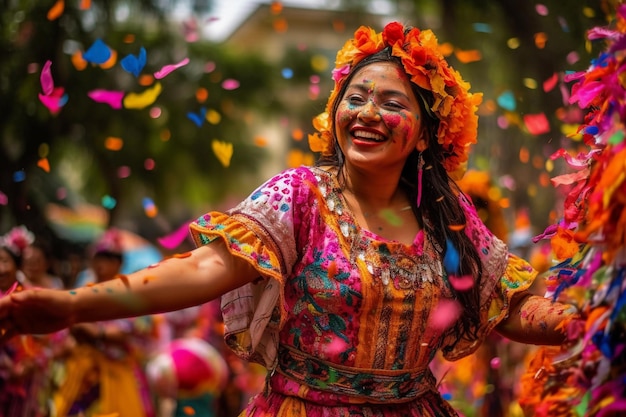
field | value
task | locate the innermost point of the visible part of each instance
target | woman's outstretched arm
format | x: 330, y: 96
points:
x: 178, y: 282
x: 536, y: 320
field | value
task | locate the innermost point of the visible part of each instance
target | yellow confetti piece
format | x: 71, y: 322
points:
x: 78, y: 61
x: 530, y: 83
x: 513, y: 43
x: 44, y: 164
x: 56, y: 10
x: 113, y: 144
x: 144, y: 99
x: 44, y: 149
x: 213, y: 117
x: 223, y: 151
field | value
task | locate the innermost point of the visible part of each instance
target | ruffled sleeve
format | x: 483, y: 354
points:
x: 262, y: 230
x: 504, y: 275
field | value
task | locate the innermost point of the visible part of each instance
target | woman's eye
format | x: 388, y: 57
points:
x: 356, y: 99
x: 393, y: 105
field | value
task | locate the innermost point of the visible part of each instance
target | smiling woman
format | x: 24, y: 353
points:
x: 345, y: 279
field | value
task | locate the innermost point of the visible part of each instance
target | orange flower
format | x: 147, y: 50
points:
x: 421, y: 57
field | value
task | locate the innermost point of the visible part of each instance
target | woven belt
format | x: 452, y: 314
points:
x: 370, y: 385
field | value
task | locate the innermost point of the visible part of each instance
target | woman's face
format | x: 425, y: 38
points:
x: 378, y: 120
x: 8, y: 270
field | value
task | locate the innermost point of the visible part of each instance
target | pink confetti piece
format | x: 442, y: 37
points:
x: 53, y: 103
x: 112, y: 98
x: 550, y: 83
x: 167, y: 69
x: 541, y: 9
x: 230, y: 84
x: 4, y: 200
x: 537, y: 124
x: 47, y: 84
x: 174, y: 239
x: 461, y: 282
x: 445, y: 313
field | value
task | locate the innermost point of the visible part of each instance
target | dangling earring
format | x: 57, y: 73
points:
x: 420, y: 172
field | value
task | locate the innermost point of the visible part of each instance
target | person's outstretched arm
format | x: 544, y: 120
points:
x: 536, y: 320
x: 178, y: 282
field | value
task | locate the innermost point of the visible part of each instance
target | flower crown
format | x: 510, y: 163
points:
x: 17, y: 239
x: 453, y: 105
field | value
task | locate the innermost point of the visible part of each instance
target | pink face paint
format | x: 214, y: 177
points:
x: 392, y: 120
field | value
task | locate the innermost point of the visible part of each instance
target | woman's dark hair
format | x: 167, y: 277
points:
x: 439, y: 206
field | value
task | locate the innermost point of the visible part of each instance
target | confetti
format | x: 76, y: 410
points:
x: 451, y: 261
x: 112, y: 98
x: 166, y: 70
x: 175, y: 238
x: 44, y: 164
x: 56, y: 10
x: 537, y: 124
x: 98, y: 52
x: 223, y: 151
x: 142, y: 100
x: 134, y: 64
x: 506, y: 100
x: 149, y: 207
x: 230, y: 84
x: 197, y: 118
x: 47, y: 83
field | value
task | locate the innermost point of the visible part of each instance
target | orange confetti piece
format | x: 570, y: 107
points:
x: 276, y: 7
x: 280, y: 25
x: 85, y: 4
x: 182, y: 255
x: 456, y: 227
x: 202, y: 94
x: 540, y: 40
x: 297, y: 134
x: 78, y: 61
x: 113, y: 143
x: 145, y: 80
x: 260, y: 141
x: 524, y: 155
x: 468, y: 56
x: 189, y: 410
x: 44, y: 164
x: 56, y: 10
x: 110, y: 63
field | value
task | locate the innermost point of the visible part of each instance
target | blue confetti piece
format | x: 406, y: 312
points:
x: 63, y: 100
x: 507, y: 101
x: 108, y: 202
x: 482, y: 27
x: 134, y: 64
x: 19, y: 176
x: 197, y: 118
x: 592, y: 130
x: 98, y: 53
x: 287, y: 73
x: 451, y: 261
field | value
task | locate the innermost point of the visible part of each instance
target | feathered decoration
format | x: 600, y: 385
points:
x: 590, y: 380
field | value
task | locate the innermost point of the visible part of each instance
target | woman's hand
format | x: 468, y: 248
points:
x: 34, y: 311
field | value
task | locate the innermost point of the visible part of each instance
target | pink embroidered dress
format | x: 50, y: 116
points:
x: 339, y: 315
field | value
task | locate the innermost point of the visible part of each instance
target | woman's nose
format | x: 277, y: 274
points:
x: 369, y: 112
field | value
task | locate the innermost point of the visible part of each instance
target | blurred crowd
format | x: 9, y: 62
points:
x: 168, y: 365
